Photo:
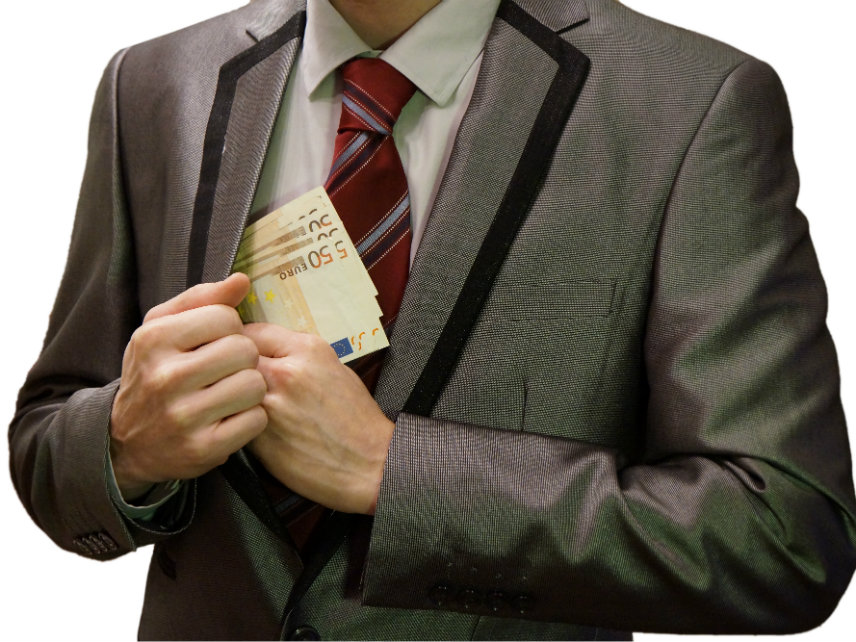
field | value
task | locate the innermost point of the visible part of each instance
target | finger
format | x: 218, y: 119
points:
x: 214, y: 361
x: 276, y: 341
x: 229, y: 292
x: 190, y: 329
x: 276, y: 373
x: 271, y: 340
x: 229, y: 396
x: 236, y: 431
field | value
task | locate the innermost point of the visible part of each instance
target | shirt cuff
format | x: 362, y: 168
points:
x: 144, y: 508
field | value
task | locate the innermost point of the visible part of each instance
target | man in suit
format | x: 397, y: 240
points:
x: 644, y: 409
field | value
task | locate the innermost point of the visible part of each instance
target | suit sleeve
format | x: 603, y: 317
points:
x: 59, y: 438
x: 739, y: 514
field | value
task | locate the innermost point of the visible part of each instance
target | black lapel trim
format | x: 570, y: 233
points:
x: 238, y: 474
x: 319, y: 550
x: 215, y: 136
x: 522, y: 191
x: 244, y: 481
x: 525, y: 182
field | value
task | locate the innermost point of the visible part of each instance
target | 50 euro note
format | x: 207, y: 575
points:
x: 307, y: 276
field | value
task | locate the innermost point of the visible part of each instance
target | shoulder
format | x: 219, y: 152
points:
x: 198, y: 51
x: 650, y: 59
x: 630, y: 36
x: 650, y: 81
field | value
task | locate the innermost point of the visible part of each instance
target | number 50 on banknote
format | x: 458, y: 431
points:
x: 306, y: 275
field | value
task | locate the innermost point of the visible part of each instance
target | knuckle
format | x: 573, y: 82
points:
x: 159, y: 378
x: 197, y: 453
x: 256, y: 419
x: 149, y: 335
x: 179, y: 416
x: 256, y: 386
x: 285, y: 372
x: 251, y: 387
x: 261, y: 417
x: 313, y: 342
x: 229, y: 319
x: 154, y: 313
x: 158, y: 336
x: 245, y: 348
x: 211, y: 456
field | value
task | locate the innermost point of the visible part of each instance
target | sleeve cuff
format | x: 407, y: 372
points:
x: 144, y: 509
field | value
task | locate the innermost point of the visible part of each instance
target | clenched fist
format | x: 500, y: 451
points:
x: 189, y: 394
x: 326, y: 439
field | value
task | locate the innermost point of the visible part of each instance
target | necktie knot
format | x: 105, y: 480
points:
x: 373, y: 96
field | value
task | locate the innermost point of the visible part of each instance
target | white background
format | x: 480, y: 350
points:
x: 53, y: 54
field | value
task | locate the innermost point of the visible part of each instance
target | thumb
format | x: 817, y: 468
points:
x: 231, y: 291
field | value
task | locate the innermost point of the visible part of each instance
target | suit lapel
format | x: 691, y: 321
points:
x: 246, y: 103
x: 502, y: 152
x: 249, y: 90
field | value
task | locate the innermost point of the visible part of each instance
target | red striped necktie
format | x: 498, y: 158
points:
x: 368, y: 188
x: 367, y: 184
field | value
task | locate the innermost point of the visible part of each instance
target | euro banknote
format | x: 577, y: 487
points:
x: 307, y: 276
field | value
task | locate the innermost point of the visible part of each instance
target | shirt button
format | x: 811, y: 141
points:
x: 522, y: 603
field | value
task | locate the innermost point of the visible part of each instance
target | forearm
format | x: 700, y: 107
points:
x: 520, y: 525
x: 58, y: 466
x: 59, y: 436
x: 692, y: 471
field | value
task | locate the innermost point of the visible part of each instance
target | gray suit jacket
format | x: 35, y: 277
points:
x: 642, y: 429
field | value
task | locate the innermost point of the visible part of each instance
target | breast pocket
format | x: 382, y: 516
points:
x: 535, y: 347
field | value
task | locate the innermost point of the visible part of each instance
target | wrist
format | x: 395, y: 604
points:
x: 385, y: 430
x: 129, y: 488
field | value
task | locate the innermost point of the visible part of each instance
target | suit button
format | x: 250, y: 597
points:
x: 440, y: 595
x: 95, y: 544
x: 469, y: 598
x: 522, y: 603
x: 304, y: 632
x: 496, y: 601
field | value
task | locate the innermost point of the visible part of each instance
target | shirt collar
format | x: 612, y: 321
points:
x: 434, y: 54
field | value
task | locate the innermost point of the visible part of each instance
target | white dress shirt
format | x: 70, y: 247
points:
x: 440, y: 54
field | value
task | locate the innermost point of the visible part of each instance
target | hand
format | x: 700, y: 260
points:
x: 327, y: 439
x: 189, y: 394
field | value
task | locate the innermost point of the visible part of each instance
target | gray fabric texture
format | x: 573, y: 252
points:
x: 644, y: 430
